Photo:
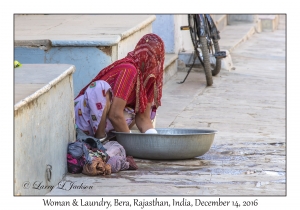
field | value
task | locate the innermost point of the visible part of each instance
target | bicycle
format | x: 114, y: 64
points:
x: 205, y: 37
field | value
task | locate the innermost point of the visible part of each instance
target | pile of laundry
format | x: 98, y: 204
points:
x: 89, y: 156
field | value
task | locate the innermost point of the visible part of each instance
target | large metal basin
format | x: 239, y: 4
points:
x: 168, y: 144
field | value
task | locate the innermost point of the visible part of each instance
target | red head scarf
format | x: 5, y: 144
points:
x: 148, y: 57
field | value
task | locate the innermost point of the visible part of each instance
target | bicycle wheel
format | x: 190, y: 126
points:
x: 216, y: 64
x: 206, y: 60
x: 193, y: 31
x: 213, y: 48
x: 200, y: 47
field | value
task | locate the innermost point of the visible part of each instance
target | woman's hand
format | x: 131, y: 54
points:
x: 143, y: 121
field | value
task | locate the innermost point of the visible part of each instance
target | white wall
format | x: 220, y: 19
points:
x: 183, y: 36
x: 128, y: 44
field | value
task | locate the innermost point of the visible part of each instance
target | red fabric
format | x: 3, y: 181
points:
x: 141, y: 69
x: 122, y: 79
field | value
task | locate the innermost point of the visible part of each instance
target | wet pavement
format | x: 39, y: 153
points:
x: 248, y: 108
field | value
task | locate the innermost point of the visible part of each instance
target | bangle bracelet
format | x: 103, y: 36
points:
x: 103, y: 139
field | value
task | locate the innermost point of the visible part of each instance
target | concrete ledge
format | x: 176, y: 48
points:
x: 42, y: 44
x: 89, y: 42
x: 221, y: 22
x: 138, y: 27
x: 169, y: 59
x: 269, y: 22
x: 43, y: 126
x: 267, y: 17
x: 47, y: 44
x: 36, y: 75
x: 235, y: 34
x: 258, y: 27
x: 170, y: 66
x: 63, y: 30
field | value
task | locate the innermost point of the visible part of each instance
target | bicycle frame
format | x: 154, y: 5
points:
x: 214, y: 33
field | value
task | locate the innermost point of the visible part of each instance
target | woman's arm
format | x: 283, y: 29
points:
x: 116, y: 115
x: 143, y: 121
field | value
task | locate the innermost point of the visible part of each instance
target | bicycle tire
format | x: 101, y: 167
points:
x: 216, y: 70
x: 206, y: 60
x: 193, y: 31
x: 213, y: 47
x: 195, y: 34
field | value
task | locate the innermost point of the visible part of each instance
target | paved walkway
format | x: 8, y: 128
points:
x: 246, y: 106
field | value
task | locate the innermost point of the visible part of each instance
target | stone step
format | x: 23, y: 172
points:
x: 220, y: 21
x: 269, y: 22
x: 170, y: 66
x: 90, y: 42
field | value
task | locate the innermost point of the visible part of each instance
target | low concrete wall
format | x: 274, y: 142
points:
x: 44, y: 125
x: 128, y: 43
x: 269, y: 22
x: 220, y: 21
x: 170, y: 66
x: 88, y: 60
x: 90, y: 47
